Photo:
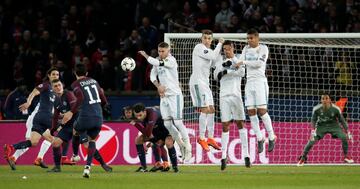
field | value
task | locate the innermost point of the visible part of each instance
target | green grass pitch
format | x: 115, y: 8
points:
x: 199, y: 177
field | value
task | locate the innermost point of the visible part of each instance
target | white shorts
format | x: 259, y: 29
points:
x: 256, y: 93
x: 201, y: 95
x: 171, y: 107
x: 231, y: 107
x: 29, y: 121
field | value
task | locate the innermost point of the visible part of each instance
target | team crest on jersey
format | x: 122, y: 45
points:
x: 206, y: 51
x: 52, y: 99
x: 64, y: 103
x: 263, y: 56
x: 40, y: 85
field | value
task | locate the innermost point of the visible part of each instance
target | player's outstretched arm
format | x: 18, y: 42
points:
x: 209, y: 54
x: 30, y: 98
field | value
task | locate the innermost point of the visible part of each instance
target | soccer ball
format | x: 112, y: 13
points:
x: 128, y: 64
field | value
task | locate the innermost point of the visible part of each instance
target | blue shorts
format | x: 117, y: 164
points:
x: 159, y: 133
x: 65, y: 134
x: 86, y: 126
x: 41, y: 122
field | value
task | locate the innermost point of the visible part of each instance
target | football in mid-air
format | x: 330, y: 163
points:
x: 128, y: 64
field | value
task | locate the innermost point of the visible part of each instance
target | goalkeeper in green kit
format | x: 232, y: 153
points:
x: 326, y: 118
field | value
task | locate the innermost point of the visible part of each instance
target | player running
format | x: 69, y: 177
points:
x: 39, y: 122
x: 90, y: 97
x: 65, y: 102
x: 254, y: 57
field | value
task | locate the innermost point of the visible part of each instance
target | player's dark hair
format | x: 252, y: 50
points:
x: 127, y: 108
x: 46, y: 78
x: 138, y: 107
x: 80, y: 69
x: 207, y: 32
x: 163, y: 45
x: 253, y: 31
x: 228, y: 42
x: 327, y: 94
x: 55, y: 81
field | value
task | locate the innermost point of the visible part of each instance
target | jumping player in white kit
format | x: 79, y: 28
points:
x: 171, y: 97
x: 202, y: 59
x: 231, y: 103
x: 254, y: 57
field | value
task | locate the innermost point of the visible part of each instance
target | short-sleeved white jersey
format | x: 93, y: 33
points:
x: 202, y: 59
x: 255, y: 61
x: 230, y: 83
x: 166, y: 71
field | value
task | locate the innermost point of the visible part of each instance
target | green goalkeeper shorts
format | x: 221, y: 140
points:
x: 335, y: 132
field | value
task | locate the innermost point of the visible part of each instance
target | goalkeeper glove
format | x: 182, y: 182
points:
x: 350, y: 137
x: 313, y: 134
x: 221, y: 74
x: 227, y: 64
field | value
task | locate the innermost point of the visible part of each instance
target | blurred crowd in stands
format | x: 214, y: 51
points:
x: 38, y: 34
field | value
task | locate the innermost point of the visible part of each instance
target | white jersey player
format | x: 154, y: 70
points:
x: 231, y: 103
x: 254, y: 57
x: 201, y: 95
x: 172, y: 100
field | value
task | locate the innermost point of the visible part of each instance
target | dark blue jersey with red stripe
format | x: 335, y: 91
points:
x: 89, y: 97
x: 47, y: 98
x: 153, y: 122
x: 62, y: 105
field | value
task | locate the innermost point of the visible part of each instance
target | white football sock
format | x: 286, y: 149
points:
x: 202, y: 125
x: 254, y: 120
x: 268, y: 126
x: 244, y: 142
x: 224, y: 144
x: 210, y: 125
x: 183, y: 132
x: 44, y: 148
x: 173, y: 132
x: 19, y: 152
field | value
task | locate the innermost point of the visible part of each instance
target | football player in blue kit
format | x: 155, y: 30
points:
x: 42, y: 118
x: 90, y: 99
x: 63, y: 104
